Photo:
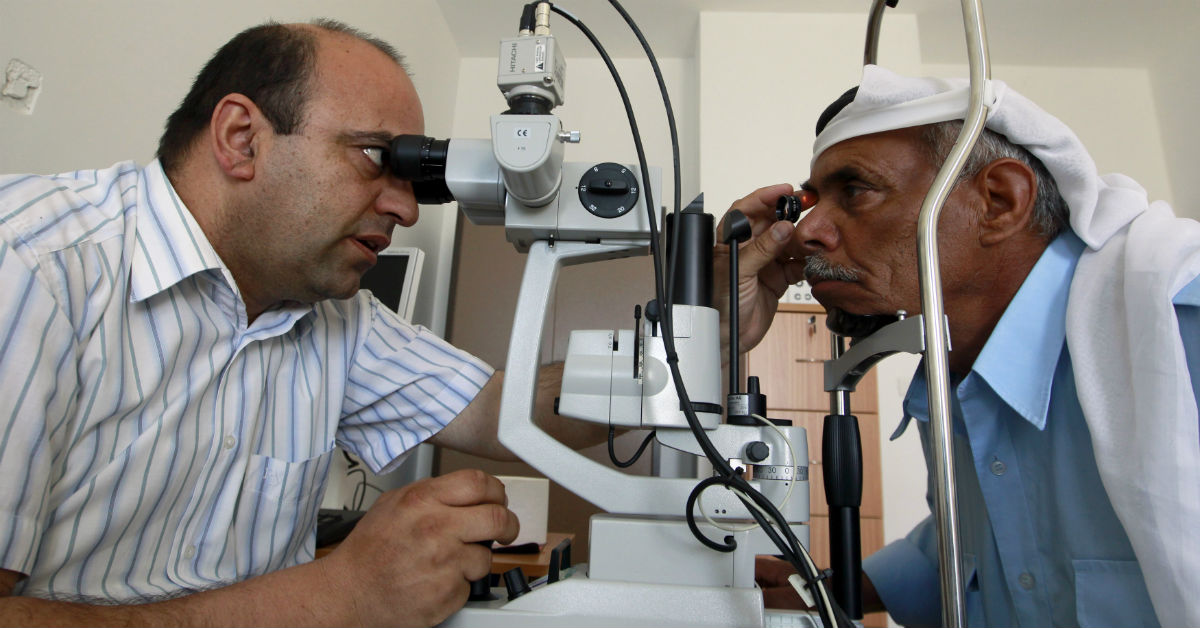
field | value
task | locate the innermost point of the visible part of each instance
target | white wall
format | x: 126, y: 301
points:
x: 1177, y: 93
x: 1120, y: 127
x: 764, y: 79
x: 113, y: 72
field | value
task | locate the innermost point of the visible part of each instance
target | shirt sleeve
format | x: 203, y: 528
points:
x: 37, y: 395
x: 405, y: 385
x: 905, y: 576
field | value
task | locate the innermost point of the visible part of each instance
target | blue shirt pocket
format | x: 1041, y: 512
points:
x: 1112, y: 593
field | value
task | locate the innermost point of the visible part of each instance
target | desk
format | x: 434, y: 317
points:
x: 533, y: 565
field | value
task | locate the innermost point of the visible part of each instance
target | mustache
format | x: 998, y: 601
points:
x: 818, y: 267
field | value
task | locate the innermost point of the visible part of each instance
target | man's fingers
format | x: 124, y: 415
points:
x: 784, y: 597
x: 765, y: 249
x: 478, y: 561
x: 770, y: 571
x: 759, y: 205
x: 466, y: 487
x: 763, y: 199
x: 487, y: 522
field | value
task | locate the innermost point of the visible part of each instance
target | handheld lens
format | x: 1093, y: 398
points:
x: 789, y: 207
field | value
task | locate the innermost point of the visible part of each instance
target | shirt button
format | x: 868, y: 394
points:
x: 230, y: 441
x: 998, y: 468
x: 1026, y: 581
x: 189, y: 552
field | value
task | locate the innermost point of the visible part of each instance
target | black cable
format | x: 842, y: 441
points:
x: 666, y: 317
x: 747, y: 490
x: 527, y: 17
x: 735, y: 378
x: 612, y: 453
x: 637, y: 142
x: 666, y: 97
x: 360, y: 489
x: 726, y: 474
x: 812, y: 580
x: 690, y: 512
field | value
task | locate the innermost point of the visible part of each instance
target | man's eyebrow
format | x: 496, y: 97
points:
x: 382, y: 138
x: 839, y: 176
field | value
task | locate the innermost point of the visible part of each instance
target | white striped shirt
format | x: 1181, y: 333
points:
x: 150, y: 441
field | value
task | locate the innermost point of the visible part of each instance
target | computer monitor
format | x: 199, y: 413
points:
x: 395, y: 277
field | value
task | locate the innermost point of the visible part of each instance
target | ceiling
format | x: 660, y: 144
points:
x: 1101, y: 33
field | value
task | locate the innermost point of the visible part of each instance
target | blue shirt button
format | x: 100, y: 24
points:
x: 998, y: 468
x: 1026, y: 581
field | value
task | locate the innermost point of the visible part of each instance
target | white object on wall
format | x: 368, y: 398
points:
x: 799, y: 292
x: 22, y: 86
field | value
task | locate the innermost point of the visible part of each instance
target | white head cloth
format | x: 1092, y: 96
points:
x: 1130, y: 368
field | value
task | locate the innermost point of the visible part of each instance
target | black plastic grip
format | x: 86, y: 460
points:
x: 841, y: 453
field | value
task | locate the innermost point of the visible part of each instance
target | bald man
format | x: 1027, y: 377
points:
x: 185, y: 343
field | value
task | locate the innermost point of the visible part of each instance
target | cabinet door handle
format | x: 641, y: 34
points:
x: 811, y: 360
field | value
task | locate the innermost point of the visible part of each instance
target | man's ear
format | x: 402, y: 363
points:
x: 234, y: 134
x: 1008, y: 188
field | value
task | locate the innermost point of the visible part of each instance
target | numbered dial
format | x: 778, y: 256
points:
x: 609, y: 190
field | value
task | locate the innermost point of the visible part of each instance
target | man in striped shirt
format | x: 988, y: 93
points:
x: 184, y: 344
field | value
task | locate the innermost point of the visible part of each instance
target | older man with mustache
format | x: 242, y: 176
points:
x: 1074, y: 315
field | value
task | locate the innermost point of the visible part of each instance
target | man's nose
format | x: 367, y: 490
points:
x: 816, y: 232
x: 397, y: 200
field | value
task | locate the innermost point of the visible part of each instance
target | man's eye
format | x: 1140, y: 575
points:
x: 375, y: 154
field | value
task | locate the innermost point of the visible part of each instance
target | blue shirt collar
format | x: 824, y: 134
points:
x: 1021, y: 354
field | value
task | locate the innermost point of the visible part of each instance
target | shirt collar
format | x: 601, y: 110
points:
x: 170, y: 245
x: 1021, y: 354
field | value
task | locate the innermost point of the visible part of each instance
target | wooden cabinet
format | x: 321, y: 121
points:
x: 789, y: 363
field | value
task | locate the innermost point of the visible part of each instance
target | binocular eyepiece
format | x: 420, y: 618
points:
x: 422, y: 160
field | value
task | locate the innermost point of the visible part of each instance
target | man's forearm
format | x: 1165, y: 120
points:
x: 475, y: 430
x: 304, y: 595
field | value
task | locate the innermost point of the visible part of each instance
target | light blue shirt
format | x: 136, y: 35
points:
x: 1041, y: 543
x: 152, y: 441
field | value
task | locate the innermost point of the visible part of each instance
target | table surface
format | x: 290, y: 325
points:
x: 534, y: 565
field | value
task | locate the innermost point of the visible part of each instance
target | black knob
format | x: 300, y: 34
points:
x: 514, y: 581
x: 608, y: 190
x: 481, y: 590
x: 757, y: 451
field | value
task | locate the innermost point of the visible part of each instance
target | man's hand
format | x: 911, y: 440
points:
x: 407, y: 563
x: 413, y: 554
x: 771, y: 574
x: 767, y: 264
